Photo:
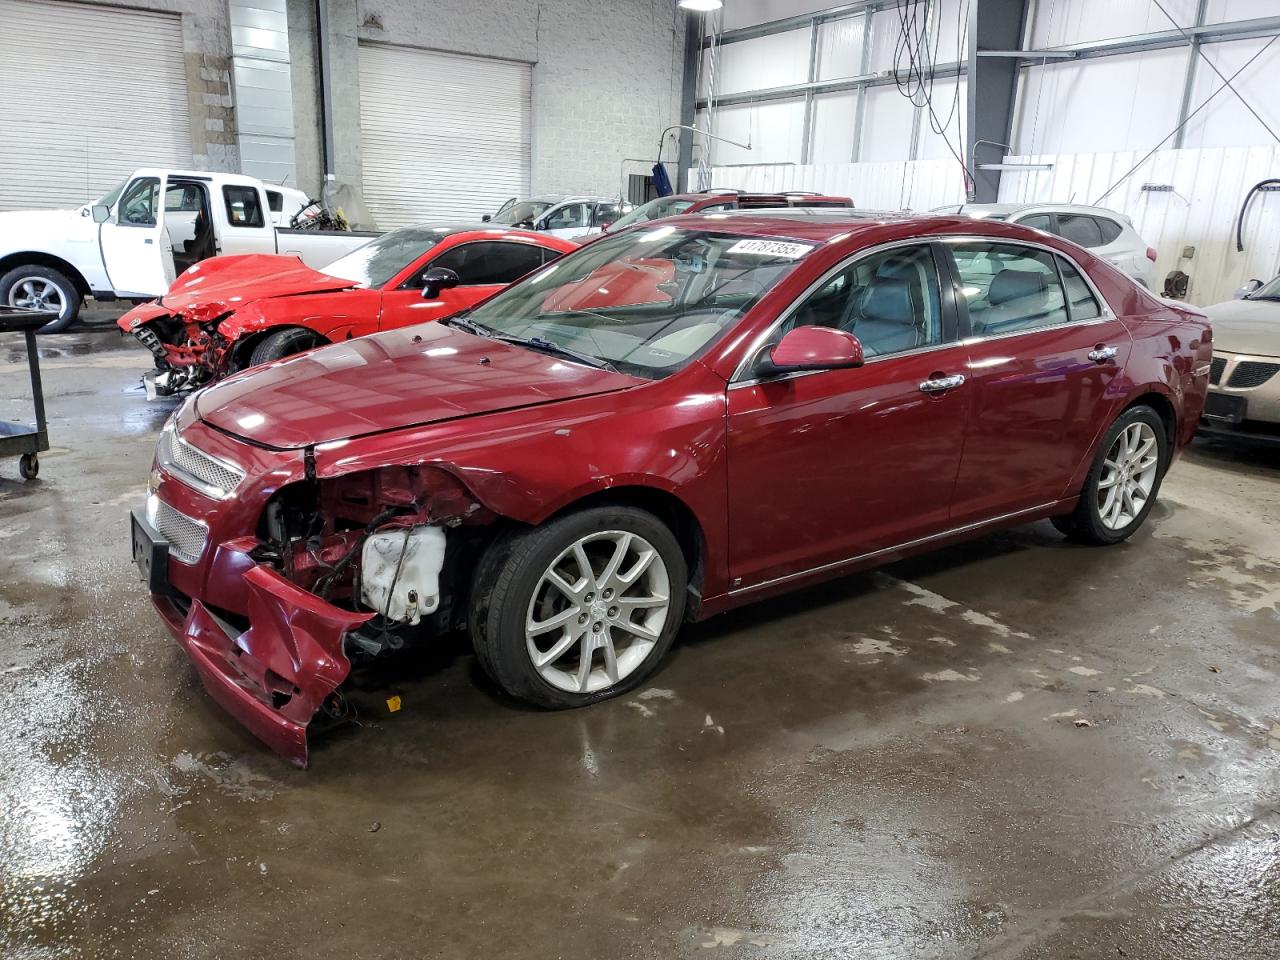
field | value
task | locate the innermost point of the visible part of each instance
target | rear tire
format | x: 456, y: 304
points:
x: 38, y: 288
x: 557, y: 635
x: 283, y: 343
x: 1123, y: 482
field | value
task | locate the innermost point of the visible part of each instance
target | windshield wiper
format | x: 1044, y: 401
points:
x: 460, y: 321
x: 550, y: 346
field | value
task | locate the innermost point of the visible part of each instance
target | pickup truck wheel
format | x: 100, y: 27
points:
x: 42, y: 288
x: 580, y: 609
x: 1123, y: 484
x: 283, y: 343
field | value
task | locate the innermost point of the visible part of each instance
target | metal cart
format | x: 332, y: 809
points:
x: 22, y: 439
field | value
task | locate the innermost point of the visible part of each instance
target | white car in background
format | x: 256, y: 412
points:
x: 1244, y: 378
x: 1106, y: 233
x: 561, y: 216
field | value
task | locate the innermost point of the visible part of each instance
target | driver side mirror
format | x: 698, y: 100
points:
x: 810, y: 348
x: 101, y: 213
x: 486, y: 218
x: 1250, y: 286
x: 437, y: 279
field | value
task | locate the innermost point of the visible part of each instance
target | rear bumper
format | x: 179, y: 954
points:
x: 276, y: 675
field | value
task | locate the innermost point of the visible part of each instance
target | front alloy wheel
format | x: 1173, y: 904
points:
x: 598, y: 611
x: 581, y: 608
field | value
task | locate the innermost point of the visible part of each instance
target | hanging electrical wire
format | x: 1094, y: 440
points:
x: 915, y: 58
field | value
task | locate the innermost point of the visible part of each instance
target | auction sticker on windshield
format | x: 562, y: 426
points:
x: 771, y: 248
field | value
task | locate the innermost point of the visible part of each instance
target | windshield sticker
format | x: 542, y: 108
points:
x: 771, y: 248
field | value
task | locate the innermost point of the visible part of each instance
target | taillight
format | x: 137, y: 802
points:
x: 1151, y: 254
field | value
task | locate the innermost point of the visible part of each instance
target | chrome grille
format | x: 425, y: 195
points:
x: 186, y: 536
x: 196, y: 468
x: 1216, y: 366
x: 1252, y: 373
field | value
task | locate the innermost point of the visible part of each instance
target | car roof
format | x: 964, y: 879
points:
x: 1008, y: 209
x: 833, y: 223
x: 490, y: 229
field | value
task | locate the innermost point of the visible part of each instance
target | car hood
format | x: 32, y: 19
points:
x: 224, y: 284
x: 400, y: 378
x: 1246, y: 326
x: 34, y: 229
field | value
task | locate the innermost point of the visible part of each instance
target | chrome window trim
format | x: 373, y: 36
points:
x: 740, y: 372
x: 883, y: 551
x: 195, y: 483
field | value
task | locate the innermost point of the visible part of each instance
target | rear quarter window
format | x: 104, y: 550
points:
x: 1110, y: 229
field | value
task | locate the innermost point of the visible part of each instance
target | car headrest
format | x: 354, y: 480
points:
x: 1011, y: 284
x: 888, y: 301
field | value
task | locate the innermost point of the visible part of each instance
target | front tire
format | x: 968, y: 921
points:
x: 283, y: 343
x: 42, y: 288
x: 1124, y: 481
x: 580, y: 609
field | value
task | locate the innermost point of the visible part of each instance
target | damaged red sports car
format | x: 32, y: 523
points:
x: 675, y: 420
x: 230, y: 313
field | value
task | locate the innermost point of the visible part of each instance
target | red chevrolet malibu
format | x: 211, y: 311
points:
x: 230, y: 313
x: 673, y: 421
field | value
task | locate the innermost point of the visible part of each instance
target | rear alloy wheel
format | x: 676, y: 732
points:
x: 1123, y: 484
x: 581, y: 609
x: 42, y: 288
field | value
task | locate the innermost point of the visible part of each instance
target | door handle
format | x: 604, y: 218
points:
x: 1102, y: 354
x: 941, y: 384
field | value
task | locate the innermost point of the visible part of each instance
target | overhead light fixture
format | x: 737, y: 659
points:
x: 701, y: 6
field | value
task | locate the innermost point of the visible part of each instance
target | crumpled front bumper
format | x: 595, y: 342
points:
x: 275, y: 676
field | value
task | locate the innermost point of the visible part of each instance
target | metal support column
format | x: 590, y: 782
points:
x: 993, y: 84
x: 806, y: 138
x: 688, y: 98
x: 1193, y: 57
x: 860, y: 110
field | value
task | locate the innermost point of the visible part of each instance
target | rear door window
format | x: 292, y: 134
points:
x: 1109, y: 229
x: 1008, y: 288
x: 1079, y: 229
x: 244, y: 208
x: 1084, y: 305
x: 275, y: 200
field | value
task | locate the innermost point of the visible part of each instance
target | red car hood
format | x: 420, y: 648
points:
x: 224, y: 284
x: 400, y: 378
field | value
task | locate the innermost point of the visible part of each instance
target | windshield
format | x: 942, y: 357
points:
x: 1268, y: 291
x: 109, y: 198
x: 379, y: 260
x: 526, y: 211
x: 653, y: 210
x: 645, y: 302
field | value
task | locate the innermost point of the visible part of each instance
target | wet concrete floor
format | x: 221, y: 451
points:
x: 886, y: 766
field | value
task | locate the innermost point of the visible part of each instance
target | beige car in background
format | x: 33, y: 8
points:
x: 1244, y: 381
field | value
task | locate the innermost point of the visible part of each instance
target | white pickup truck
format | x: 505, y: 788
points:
x: 131, y: 243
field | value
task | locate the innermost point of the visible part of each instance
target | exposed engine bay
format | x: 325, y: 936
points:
x: 391, y: 542
x: 188, y: 353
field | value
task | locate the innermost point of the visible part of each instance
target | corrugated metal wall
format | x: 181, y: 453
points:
x: 1208, y: 188
x: 264, y: 94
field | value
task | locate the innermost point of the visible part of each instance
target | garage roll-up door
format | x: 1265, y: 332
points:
x: 87, y: 95
x: 442, y: 136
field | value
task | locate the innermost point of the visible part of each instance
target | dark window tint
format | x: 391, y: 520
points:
x: 1037, y: 221
x: 244, y: 209
x: 608, y: 213
x: 1109, y: 228
x: 1008, y: 288
x: 889, y: 301
x: 1079, y: 229
x: 493, y: 262
x: 139, y: 202
x: 275, y: 200
x: 1084, y: 305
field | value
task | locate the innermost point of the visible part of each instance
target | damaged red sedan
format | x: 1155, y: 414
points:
x: 231, y: 313
x: 675, y: 420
